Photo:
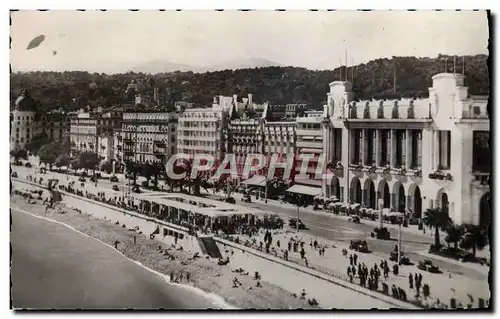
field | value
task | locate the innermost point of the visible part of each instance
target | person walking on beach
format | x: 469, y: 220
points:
x: 302, y: 253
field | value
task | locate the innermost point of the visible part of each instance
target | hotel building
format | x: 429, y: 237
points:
x: 410, y: 155
x: 147, y: 136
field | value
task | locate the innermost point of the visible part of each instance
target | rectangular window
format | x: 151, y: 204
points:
x: 356, y: 143
x: 481, y: 152
x: 370, y: 153
x: 337, y: 154
x: 444, y: 143
x: 384, y: 143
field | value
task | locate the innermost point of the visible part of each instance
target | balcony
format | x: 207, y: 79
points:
x: 128, y: 141
x: 128, y: 152
x: 159, y: 143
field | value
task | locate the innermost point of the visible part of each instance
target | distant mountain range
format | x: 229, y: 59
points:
x: 163, y: 66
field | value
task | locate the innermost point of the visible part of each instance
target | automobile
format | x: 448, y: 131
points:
x: 14, y: 174
x: 405, y: 260
x: 136, y: 189
x: 359, y: 246
x: 82, y: 179
x: 113, y: 179
x: 247, y: 198
x: 355, y: 219
x: 428, y: 266
x: 27, y: 164
x: 84, y: 174
x: 230, y: 200
x: 115, y: 188
x: 293, y: 223
x: 93, y: 179
x: 381, y: 233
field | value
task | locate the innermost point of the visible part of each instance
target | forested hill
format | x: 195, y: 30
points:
x: 277, y: 85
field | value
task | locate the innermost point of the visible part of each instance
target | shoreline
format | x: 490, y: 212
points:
x: 206, y: 277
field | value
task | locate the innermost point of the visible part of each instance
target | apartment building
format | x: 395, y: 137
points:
x: 147, y: 136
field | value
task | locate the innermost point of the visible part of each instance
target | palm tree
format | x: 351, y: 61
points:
x: 157, y: 169
x: 133, y: 169
x: 438, y: 219
x: 454, y: 234
x: 475, y: 238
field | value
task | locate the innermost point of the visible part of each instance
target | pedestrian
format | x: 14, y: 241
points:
x: 355, y: 259
x: 353, y: 271
x: 315, y: 244
x: 289, y: 246
x: 278, y: 243
x: 350, y: 260
x: 348, y: 270
x: 302, y: 253
x: 307, y: 263
x: 410, y: 281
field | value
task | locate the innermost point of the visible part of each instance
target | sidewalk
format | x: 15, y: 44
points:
x: 442, y: 287
x: 413, y: 229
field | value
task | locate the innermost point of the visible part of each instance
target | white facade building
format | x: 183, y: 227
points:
x: 410, y: 154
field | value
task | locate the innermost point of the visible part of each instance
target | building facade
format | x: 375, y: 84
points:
x: 86, y: 128
x: 309, y: 144
x: 26, y: 122
x: 410, y: 155
x: 148, y: 136
x: 203, y: 131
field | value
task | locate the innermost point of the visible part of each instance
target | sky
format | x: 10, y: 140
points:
x: 115, y: 41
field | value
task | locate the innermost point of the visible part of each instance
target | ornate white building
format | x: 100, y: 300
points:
x: 147, y: 136
x: 411, y: 154
x: 26, y: 123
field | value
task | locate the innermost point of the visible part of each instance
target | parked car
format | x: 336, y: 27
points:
x: 230, y: 200
x: 93, y: 179
x: 247, y: 198
x: 84, y: 174
x: 14, y: 174
x: 355, y: 219
x: 405, y: 260
x: 115, y: 188
x: 428, y: 266
x: 359, y: 245
x: 113, y: 179
x: 293, y: 223
x: 82, y: 179
x: 27, y: 164
x: 136, y: 189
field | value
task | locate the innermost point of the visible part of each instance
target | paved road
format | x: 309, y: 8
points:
x: 55, y: 267
x: 343, y: 230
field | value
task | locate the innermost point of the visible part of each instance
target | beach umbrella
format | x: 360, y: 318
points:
x: 35, y: 42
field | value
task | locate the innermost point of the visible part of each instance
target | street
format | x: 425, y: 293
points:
x: 320, y: 225
x: 56, y: 267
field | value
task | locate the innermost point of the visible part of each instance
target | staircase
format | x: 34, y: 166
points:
x: 209, y: 247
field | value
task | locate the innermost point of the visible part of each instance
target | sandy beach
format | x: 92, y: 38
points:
x: 201, y: 273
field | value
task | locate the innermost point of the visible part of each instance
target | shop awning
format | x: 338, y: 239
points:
x: 306, y: 190
x: 256, y: 180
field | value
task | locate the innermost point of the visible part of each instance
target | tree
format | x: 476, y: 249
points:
x: 438, y: 219
x: 147, y: 171
x: 88, y: 160
x: 454, y: 234
x: 19, y: 153
x: 36, y: 143
x: 475, y: 238
x: 62, y: 160
x: 157, y: 169
x: 48, y: 153
x: 133, y: 169
x: 107, y: 166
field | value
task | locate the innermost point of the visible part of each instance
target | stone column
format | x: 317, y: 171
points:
x: 393, y: 146
x: 364, y: 147
x: 377, y: 147
x: 393, y: 201
x: 409, y: 150
x: 435, y: 145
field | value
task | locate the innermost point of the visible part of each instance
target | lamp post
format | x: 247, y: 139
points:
x: 399, y: 244
x: 299, y: 201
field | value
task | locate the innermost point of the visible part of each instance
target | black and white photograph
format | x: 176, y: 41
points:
x: 250, y: 159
